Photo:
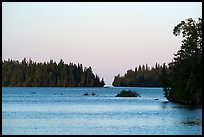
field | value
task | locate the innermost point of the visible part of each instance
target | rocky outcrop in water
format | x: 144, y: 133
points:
x: 86, y: 94
x: 128, y: 93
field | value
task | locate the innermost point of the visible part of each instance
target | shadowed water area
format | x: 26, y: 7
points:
x: 27, y: 110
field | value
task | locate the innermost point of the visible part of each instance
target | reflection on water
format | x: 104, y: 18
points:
x: 68, y: 111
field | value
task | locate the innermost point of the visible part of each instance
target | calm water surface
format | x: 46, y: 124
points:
x: 27, y: 110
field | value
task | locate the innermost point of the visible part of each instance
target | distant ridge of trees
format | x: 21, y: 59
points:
x: 143, y: 76
x: 50, y: 74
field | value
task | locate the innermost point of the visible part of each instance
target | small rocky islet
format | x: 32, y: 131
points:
x: 123, y: 93
x: 128, y: 93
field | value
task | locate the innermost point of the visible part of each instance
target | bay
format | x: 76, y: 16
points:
x: 59, y: 111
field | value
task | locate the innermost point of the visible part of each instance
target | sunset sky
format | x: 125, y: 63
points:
x: 111, y: 37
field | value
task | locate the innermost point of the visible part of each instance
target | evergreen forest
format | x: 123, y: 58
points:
x: 50, y: 74
x: 182, y: 80
x: 141, y: 76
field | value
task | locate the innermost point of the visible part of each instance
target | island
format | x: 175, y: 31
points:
x: 128, y: 93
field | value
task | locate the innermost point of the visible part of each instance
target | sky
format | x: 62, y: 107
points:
x: 111, y: 37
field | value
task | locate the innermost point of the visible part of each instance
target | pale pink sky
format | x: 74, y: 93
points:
x: 109, y: 37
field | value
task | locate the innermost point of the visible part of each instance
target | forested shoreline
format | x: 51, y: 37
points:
x: 182, y: 81
x: 141, y: 76
x: 50, y: 74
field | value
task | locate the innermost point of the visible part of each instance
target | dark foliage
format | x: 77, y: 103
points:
x: 128, y: 93
x: 143, y: 76
x: 50, y: 74
x: 182, y: 81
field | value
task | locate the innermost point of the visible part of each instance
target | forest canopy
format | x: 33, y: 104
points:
x: 141, y: 76
x: 182, y: 81
x: 50, y: 74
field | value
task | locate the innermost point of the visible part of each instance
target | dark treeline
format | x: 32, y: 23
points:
x: 181, y: 78
x: 50, y: 74
x: 143, y: 76
x: 182, y: 81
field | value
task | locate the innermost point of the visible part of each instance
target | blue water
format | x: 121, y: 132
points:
x: 35, y: 111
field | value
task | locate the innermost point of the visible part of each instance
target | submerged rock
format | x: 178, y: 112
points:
x: 192, y: 122
x: 86, y: 94
x: 128, y: 93
x: 93, y: 94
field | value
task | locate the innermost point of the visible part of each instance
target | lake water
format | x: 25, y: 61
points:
x: 27, y: 110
